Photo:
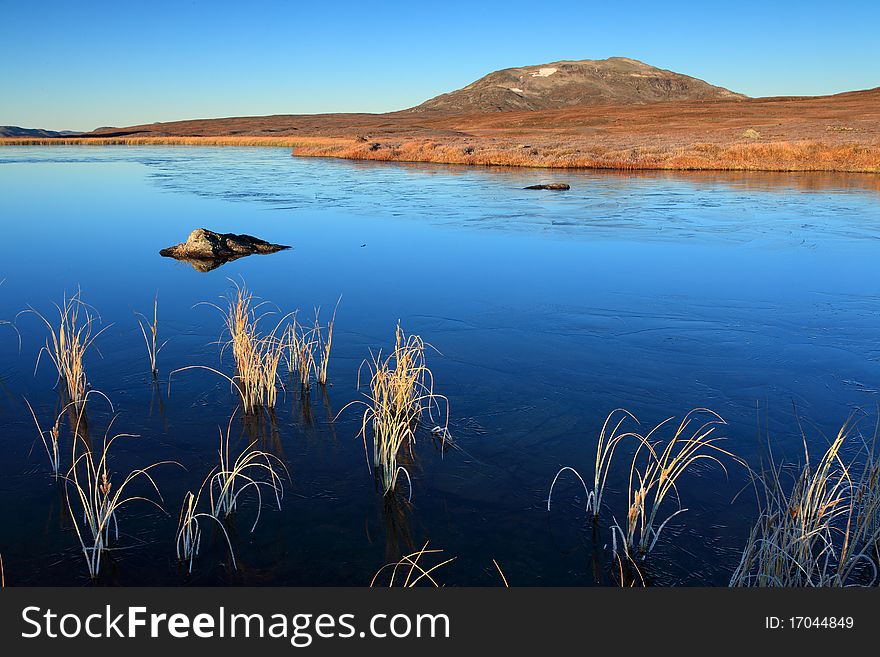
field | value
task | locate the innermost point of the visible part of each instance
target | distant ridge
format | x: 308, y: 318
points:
x: 617, y: 80
x: 15, y: 131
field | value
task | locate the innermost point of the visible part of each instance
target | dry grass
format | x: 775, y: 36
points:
x: 819, y: 524
x: 257, y: 356
x: 800, y: 155
x: 51, y: 438
x: 401, y: 390
x: 654, y: 472
x: 93, y: 499
x: 605, y: 447
x: 69, y: 341
x: 251, y: 469
x: 408, y: 571
x: 501, y: 574
x: 150, y: 331
x: 234, y: 477
x: 189, y: 531
x: 411, y: 570
x: 324, y: 345
x: 563, y: 152
x: 628, y: 574
x: 694, y: 440
x: 278, y: 142
x: 301, y: 344
x: 307, y: 349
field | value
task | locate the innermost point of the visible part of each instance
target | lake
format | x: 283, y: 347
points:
x: 755, y: 295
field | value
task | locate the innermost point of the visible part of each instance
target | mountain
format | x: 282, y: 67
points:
x: 15, y: 131
x: 617, y: 80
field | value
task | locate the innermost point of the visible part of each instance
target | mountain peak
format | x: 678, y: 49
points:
x: 566, y: 83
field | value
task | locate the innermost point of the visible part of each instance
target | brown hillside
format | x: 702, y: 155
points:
x: 616, y: 80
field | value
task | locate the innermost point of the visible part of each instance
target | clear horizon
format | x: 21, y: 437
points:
x: 96, y: 65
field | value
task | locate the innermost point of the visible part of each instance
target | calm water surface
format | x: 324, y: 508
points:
x: 755, y: 295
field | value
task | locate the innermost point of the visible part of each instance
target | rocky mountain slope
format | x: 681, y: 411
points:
x: 616, y: 80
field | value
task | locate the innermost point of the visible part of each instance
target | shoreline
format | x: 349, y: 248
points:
x: 769, y: 156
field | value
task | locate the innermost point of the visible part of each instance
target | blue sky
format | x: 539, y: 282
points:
x: 80, y: 65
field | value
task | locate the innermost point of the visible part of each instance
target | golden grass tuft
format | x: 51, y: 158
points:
x: 308, y: 349
x: 68, y: 342
x: 257, y: 356
x: 401, y: 391
x: 820, y: 530
x: 694, y: 440
x: 324, y: 345
x: 301, y: 343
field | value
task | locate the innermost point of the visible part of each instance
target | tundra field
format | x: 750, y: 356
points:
x: 825, y: 133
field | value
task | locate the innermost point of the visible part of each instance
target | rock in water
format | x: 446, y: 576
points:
x: 554, y: 186
x: 206, y: 250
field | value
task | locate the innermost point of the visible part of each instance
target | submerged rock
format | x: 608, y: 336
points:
x: 554, y: 186
x: 206, y: 250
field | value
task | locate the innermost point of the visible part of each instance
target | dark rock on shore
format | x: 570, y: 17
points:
x: 206, y: 250
x: 554, y: 186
